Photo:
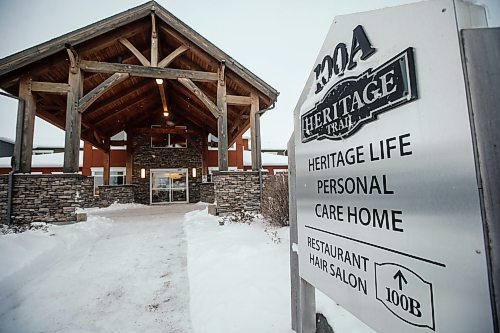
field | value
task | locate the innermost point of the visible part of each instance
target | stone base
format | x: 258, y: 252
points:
x: 237, y: 191
x: 109, y: 194
x: 81, y: 217
x: 207, y: 193
x: 212, y: 210
x: 45, y: 198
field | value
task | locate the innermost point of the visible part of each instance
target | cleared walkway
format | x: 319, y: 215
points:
x: 122, y: 271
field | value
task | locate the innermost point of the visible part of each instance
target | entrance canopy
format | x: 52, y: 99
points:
x: 120, y: 73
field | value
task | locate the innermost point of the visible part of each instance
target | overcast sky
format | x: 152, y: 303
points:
x: 276, y: 39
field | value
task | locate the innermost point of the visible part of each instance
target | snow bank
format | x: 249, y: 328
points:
x: 238, y: 276
x: 239, y: 279
x: 21, y: 250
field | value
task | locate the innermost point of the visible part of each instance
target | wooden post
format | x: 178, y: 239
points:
x: 255, y: 133
x: 222, y: 119
x: 154, y: 42
x: 25, y: 127
x: 106, y: 164
x: 73, y: 116
x: 129, y: 164
x: 481, y: 51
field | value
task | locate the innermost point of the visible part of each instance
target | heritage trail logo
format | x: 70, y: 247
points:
x: 355, y: 101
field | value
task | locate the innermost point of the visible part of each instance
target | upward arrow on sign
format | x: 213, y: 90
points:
x: 401, y: 278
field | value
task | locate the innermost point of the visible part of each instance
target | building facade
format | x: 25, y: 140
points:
x: 146, y: 73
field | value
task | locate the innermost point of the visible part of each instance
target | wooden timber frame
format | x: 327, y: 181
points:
x: 121, y: 73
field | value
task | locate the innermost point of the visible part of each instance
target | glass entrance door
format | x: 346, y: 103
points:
x: 169, y: 185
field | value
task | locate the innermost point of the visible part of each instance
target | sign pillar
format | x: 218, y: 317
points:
x: 303, y: 295
x: 482, y: 51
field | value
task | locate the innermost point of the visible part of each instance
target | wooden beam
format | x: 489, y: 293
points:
x: 239, y: 100
x: 237, y: 122
x: 25, y: 127
x: 123, y: 95
x: 142, y: 71
x: 77, y: 37
x: 255, y: 133
x: 98, y: 91
x: 73, y: 119
x: 142, y: 59
x: 168, y: 59
x: 222, y: 120
x: 133, y: 102
x: 201, y: 96
x: 117, y: 142
x: 166, y: 130
x: 163, y: 97
x: 154, y: 41
x: 193, y: 112
x: 50, y: 87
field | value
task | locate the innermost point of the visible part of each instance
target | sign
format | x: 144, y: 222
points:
x: 388, y: 210
x: 354, y: 101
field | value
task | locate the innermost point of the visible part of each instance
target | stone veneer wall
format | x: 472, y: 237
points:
x: 109, y: 194
x: 237, y: 191
x: 47, y: 198
x: 207, y: 192
x: 4, y: 188
x: 166, y: 158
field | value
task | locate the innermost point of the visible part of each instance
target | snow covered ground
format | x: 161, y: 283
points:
x: 134, y: 268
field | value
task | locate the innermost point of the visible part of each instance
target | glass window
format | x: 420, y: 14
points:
x: 165, y: 140
x: 116, y: 177
x: 177, y: 141
x: 168, y: 186
x: 213, y: 143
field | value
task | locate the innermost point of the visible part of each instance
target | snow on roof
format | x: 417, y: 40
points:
x: 43, y: 161
x: 267, y: 159
x: 4, y: 139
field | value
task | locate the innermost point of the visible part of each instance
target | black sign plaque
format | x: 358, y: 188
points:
x: 355, y: 101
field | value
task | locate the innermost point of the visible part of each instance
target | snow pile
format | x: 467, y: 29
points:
x: 54, y: 160
x: 267, y: 159
x: 239, y: 279
x: 238, y: 276
x: 121, y: 271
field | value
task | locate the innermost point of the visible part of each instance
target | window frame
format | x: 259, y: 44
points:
x: 168, y: 135
x: 210, y: 136
x: 100, y: 170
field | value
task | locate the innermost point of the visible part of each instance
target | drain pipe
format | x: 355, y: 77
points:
x: 14, y: 163
x: 261, y: 112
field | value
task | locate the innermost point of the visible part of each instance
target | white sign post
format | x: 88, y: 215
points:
x: 388, y: 210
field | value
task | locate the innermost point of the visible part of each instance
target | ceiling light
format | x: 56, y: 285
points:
x: 159, y: 81
x: 165, y: 114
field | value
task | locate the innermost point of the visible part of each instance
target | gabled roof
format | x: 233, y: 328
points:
x: 35, y: 53
x: 135, y: 101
